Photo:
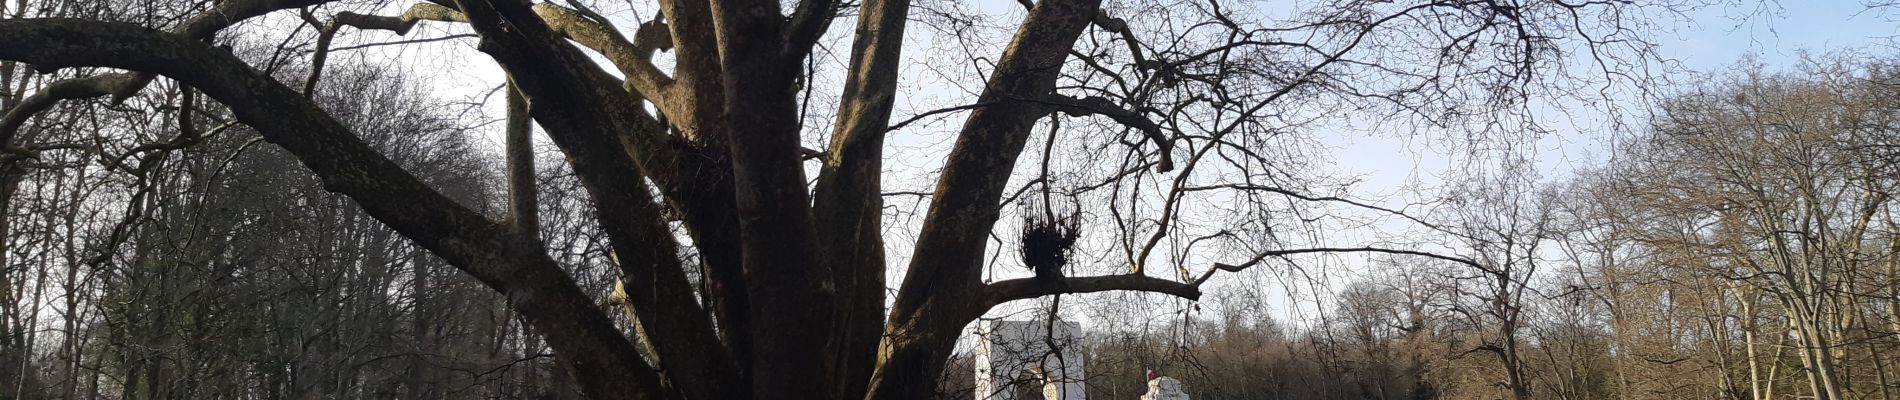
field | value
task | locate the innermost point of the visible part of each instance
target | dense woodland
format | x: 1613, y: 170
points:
x: 257, y: 199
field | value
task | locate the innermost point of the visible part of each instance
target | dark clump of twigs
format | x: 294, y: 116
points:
x: 1049, y: 236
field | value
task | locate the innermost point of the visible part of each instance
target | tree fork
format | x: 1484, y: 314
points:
x: 933, y: 303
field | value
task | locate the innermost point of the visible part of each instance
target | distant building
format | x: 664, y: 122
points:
x: 1026, y: 360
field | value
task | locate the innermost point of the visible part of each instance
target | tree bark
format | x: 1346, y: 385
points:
x: 849, y: 203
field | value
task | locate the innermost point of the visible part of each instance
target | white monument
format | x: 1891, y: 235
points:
x: 1018, y: 360
x: 1164, y: 388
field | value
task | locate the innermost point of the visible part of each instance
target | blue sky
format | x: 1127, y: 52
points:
x: 1784, y: 30
x: 1715, y: 39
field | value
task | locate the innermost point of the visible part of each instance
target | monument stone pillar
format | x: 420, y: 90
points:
x: 1018, y: 357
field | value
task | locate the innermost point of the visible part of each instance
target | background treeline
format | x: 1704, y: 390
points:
x: 155, y: 250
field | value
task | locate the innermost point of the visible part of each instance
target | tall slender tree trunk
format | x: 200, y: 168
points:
x: 418, y: 384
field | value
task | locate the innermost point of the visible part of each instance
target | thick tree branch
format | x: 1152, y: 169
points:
x: 594, y: 125
x: 1104, y: 107
x: 634, y: 60
x: 230, y: 12
x: 123, y: 86
x: 326, y: 34
x: 524, y: 205
x: 1029, y: 288
x: 400, y: 24
x: 808, y: 22
x: 204, y: 26
x: 79, y: 88
x: 847, y: 202
x: 700, y: 115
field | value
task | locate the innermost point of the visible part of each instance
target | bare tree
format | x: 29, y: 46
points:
x: 786, y: 296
